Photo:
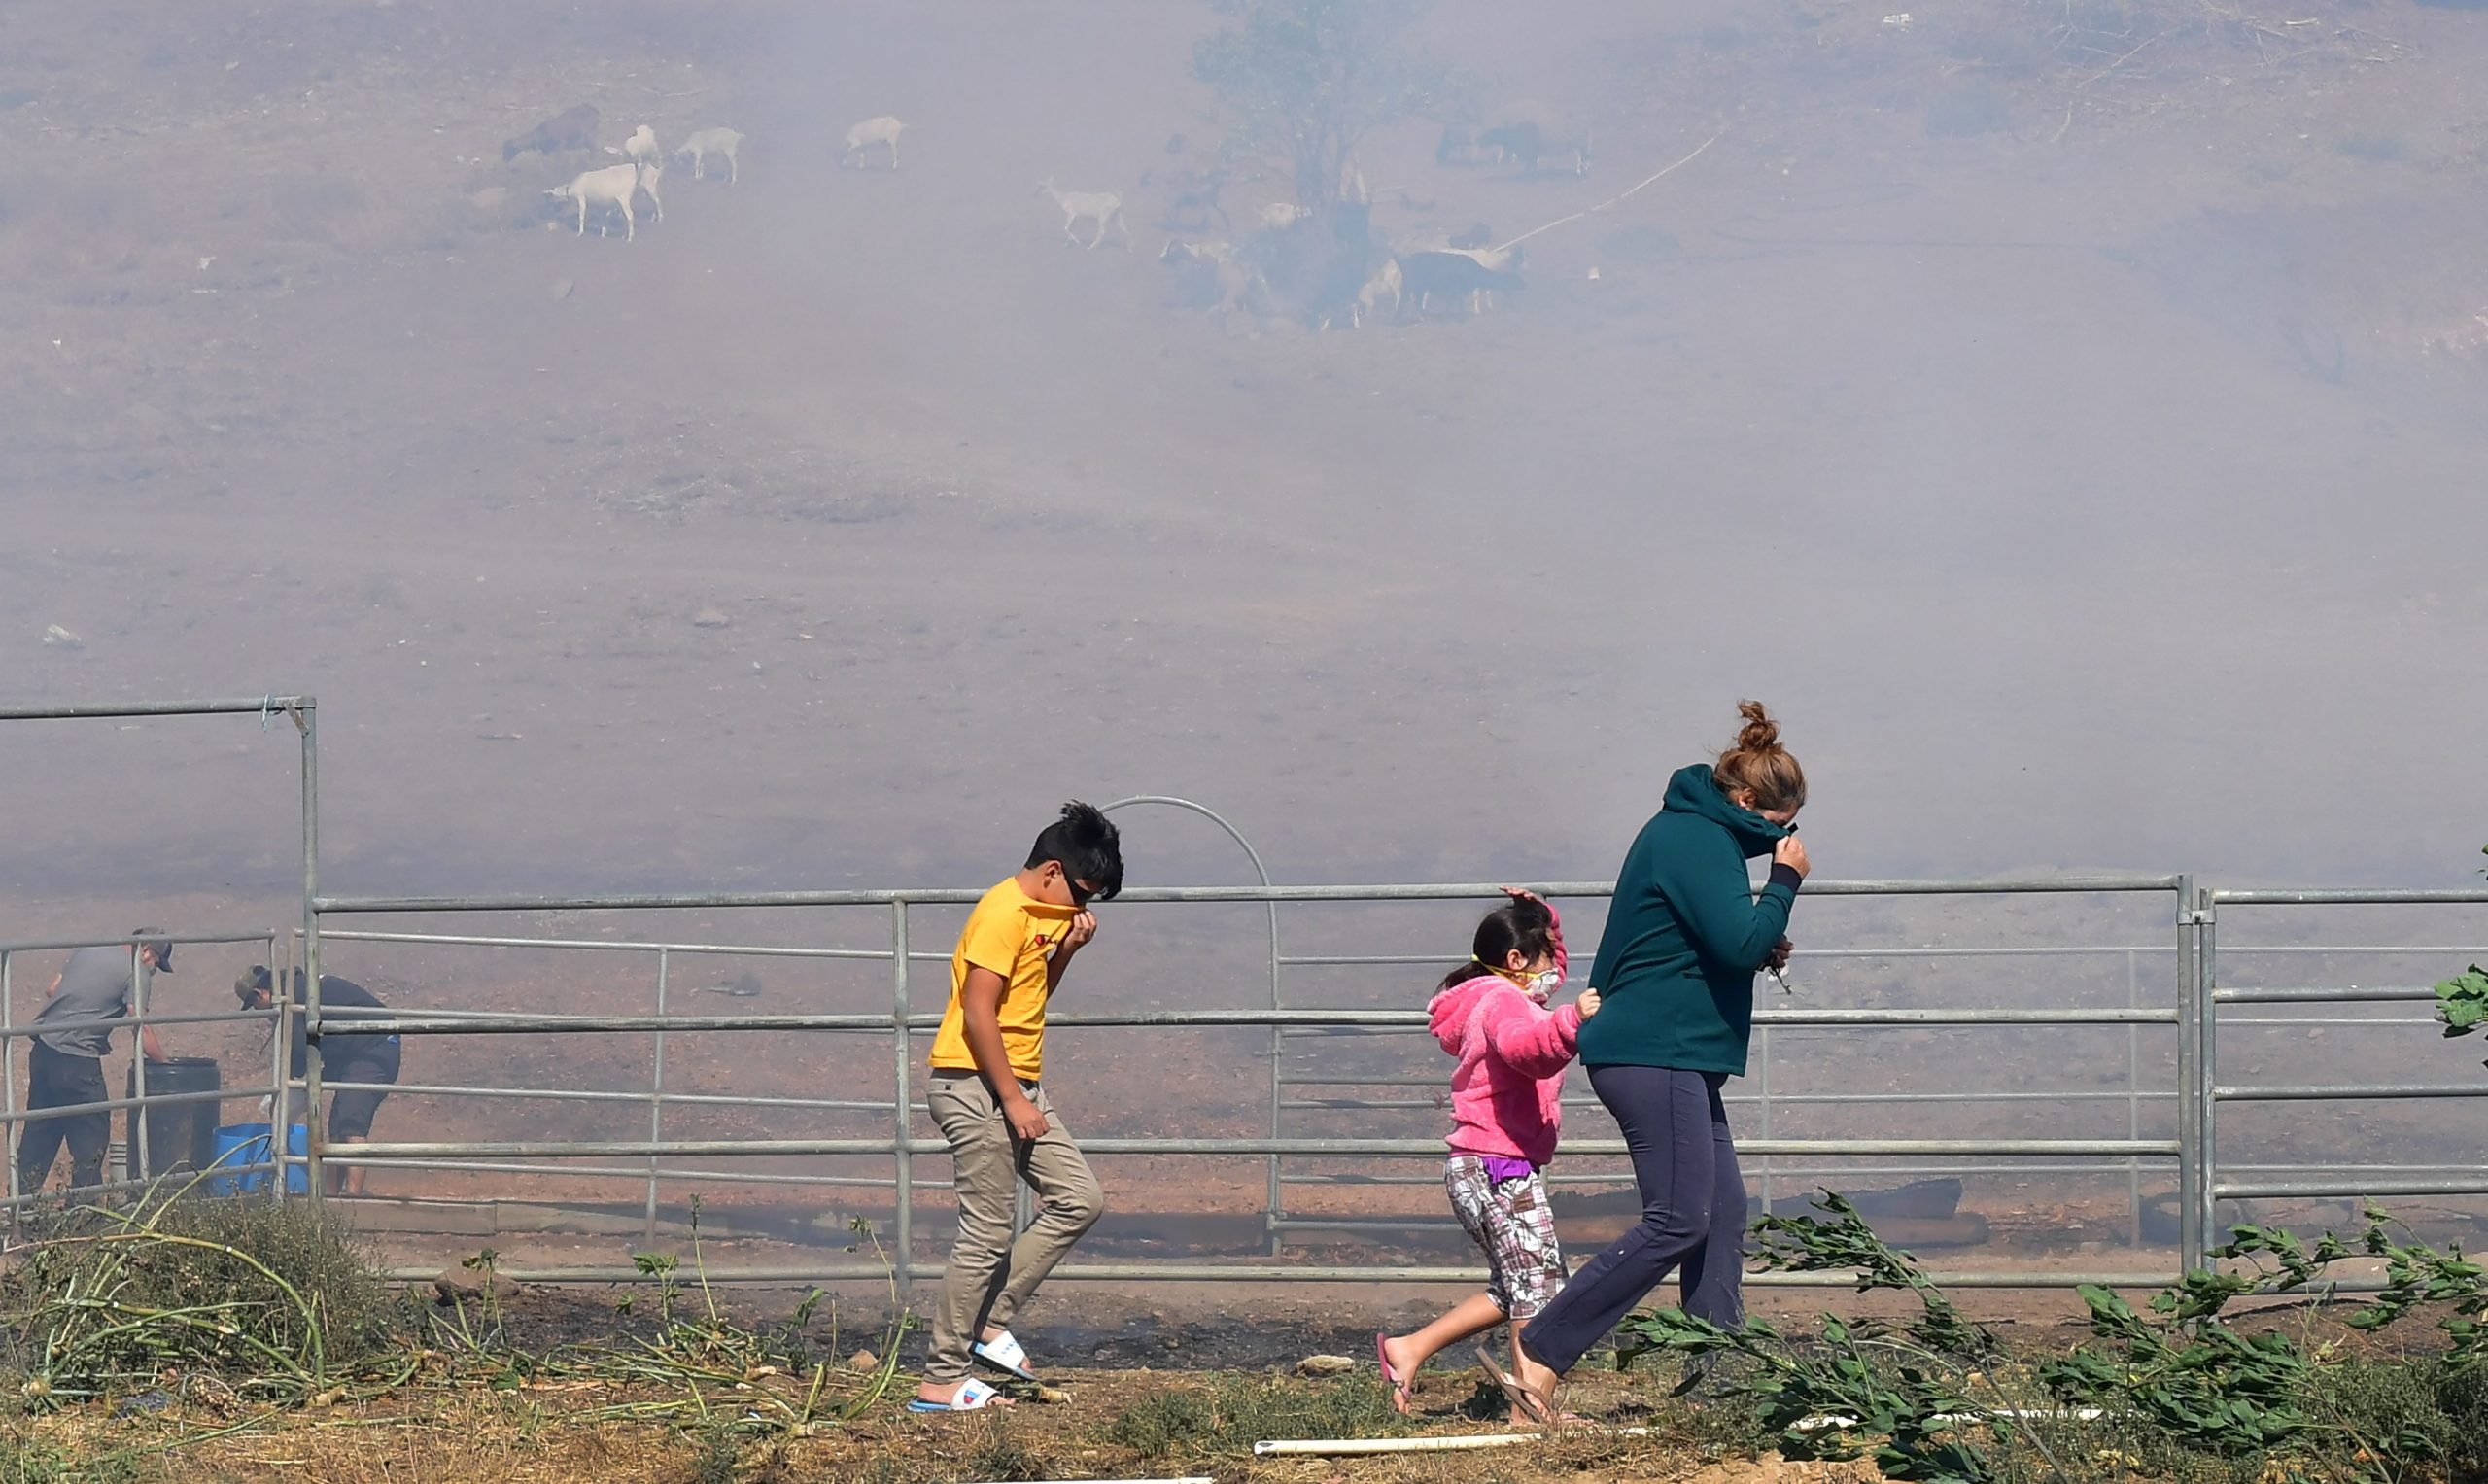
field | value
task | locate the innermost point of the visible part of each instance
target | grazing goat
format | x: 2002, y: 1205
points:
x: 1388, y: 279
x: 1104, y: 207
x: 650, y: 175
x: 641, y: 147
x: 706, y: 142
x: 1215, y: 278
x: 613, y: 186
x: 1213, y: 250
x: 871, y: 131
x: 1279, y: 215
x: 1384, y: 283
x: 572, y: 128
x: 1525, y: 143
x: 1450, y: 276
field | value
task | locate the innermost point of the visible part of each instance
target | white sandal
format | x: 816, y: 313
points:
x: 973, y: 1395
x: 1003, y: 1354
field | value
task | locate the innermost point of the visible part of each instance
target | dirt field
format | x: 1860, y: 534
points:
x: 2076, y: 434
x: 1099, y: 1425
x: 519, y: 1436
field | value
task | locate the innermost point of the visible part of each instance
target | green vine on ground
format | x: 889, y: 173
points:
x: 1922, y: 1397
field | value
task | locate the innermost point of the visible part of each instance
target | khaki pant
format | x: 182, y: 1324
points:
x: 989, y: 1275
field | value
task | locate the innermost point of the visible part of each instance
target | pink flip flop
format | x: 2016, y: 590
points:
x: 1398, y: 1384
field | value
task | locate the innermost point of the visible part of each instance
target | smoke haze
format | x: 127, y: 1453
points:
x: 2087, y: 471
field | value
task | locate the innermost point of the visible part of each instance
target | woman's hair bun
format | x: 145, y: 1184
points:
x: 1758, y: 763
x: 1759, y: 733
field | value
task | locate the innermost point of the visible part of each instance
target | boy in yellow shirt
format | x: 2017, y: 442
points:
x: 989, y: 1103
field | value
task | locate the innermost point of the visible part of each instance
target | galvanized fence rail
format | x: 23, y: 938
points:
x: 2183, y: 1013
x: 2213, y: 1094
x: 302, y: 712
x: 904, y: 1026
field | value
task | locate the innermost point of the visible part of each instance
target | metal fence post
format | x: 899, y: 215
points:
x: 2134, y: 1097
x: 2207, y: 979
x: 656, y: 1100
x: 279, y: 1108
x: 315, y: 1171
x: 9, y: 1079
x: 1762, y: 1056
x: 143, y: 1167
x: 1276, y: 1208
x: 902, y: 1116
x: 2192, y: 1077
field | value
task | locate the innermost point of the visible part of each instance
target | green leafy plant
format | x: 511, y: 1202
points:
x: 1898, y: 1392
x: 2462, y: 1001
x: 1936, y: 1398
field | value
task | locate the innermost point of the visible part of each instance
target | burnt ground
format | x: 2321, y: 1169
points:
x: 2079, y: 439
x: 548, y: 1427
x: 1200, y: 1327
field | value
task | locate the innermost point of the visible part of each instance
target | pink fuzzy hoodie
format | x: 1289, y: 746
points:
x: 1506, y: 1093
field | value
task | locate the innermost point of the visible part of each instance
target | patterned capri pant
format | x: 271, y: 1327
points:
x: 1510, y: 1220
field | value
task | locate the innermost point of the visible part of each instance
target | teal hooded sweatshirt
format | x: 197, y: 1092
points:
x: 1685, y: 936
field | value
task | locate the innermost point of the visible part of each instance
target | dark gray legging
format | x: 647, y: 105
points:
x: 1693, y: 1214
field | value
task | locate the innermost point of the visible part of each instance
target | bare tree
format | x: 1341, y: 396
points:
x: 1305, y: 81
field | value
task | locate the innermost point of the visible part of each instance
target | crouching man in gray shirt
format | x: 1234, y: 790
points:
x: 67, y: 1067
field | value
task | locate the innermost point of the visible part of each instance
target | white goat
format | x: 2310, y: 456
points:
x: 1233, y: 283
x: 706, y: 142
x: 1211, y: 250
x: 871, y: 131
x: 650, y: 177
x: 1279, y: 215
x: 1104, y: 207
x: 1352, y: 186
x: 613, y: 186
x: 641, y: 147
x: 1386, y: 280
x: 1385, y: 283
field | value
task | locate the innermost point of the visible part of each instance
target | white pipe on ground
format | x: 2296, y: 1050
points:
x: 1351, y: 1447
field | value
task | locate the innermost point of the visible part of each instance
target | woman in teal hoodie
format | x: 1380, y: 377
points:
x: 1674, y: 975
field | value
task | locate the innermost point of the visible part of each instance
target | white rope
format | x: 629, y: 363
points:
x: 1603, y: 205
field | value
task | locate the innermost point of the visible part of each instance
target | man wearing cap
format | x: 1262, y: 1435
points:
x: 370, y: 1061
x: 73, y: 1032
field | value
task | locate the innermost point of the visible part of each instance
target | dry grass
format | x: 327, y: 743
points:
x: 539, y: 1433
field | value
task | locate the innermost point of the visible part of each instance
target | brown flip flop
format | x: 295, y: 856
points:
x: 1519, y: 1396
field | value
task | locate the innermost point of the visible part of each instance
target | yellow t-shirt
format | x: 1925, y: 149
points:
x: 1014, y: 935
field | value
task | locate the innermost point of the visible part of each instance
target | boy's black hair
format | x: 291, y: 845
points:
x: 1088, y: 844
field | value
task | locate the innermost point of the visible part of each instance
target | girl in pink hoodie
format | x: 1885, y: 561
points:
x: 1491, y: 1014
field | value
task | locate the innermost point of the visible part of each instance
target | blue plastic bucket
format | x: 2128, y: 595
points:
x: 239, y: 1144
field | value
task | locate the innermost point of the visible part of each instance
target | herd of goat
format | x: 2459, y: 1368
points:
x: 1346, y: 277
